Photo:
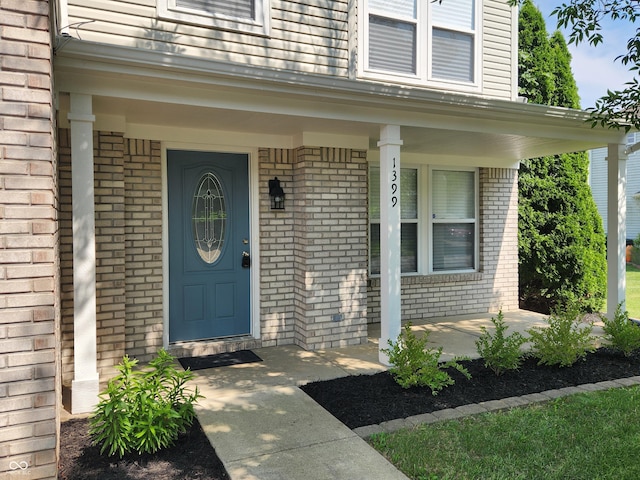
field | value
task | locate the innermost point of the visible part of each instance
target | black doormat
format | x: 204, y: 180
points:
x: 219, y: 360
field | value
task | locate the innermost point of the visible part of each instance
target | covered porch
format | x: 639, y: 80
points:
x: 207, y: 105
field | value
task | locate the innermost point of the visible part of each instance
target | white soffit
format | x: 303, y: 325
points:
x: 287, y: 106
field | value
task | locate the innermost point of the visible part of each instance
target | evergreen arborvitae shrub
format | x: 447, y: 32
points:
x: 562, y: 252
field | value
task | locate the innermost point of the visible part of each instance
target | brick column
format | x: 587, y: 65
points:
x: 29, y: 308
x: 276, y: 249
x: 110, y: 250
x: 498, y: 240
x: 330, y: 247
x: 143, y: 248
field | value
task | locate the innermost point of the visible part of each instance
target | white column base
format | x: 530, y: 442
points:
x: 84, y: 395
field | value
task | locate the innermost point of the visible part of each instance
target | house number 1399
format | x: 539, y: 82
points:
x: 394, y: 185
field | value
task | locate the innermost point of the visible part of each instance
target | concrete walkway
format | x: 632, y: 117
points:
x: 264, y: 427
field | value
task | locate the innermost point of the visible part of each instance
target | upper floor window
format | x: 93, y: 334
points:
x: 251, y: 16
x: 420, y: 41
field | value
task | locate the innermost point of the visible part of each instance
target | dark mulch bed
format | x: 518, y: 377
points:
x: 192, y: 458
x: 371, y: 399
x: 355, y: 400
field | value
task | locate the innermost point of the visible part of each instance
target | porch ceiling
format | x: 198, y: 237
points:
x: 138, y: 89
x: 437, y: 140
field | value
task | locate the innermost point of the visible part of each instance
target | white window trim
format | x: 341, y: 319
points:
x: 424, y: 25
x: 428, y: 224
x: 168, y: 10
x: 425, y: 220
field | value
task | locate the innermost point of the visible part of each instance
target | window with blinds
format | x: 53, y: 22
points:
x: 251, y: 16
x: 430, y: 41
x: 438, y: 230
x: 408, y: 215
x: 230, y: 8
x: 453, y: 220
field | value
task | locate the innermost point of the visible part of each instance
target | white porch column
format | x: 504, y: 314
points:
x: 390, y: 282
x: 616, y: 226
x: 85, y: 385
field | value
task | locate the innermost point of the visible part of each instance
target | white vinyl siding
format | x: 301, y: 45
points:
x: 499, y: 50
x: 598, y: 182
x: 311, y: 36
x: 305, y: 36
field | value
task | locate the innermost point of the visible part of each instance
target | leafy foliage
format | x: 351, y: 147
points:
x: 584, y: 19
x: 500, y: 352
x: 565, y: 340
x: 560, y: 233
x: 143, y: 411
x: 621, y: 333
x: 415, y: 364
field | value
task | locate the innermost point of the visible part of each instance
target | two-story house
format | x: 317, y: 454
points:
x: 208, y: 175
x: 598, y: 181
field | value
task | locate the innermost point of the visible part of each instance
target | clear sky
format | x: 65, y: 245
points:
x: 593, y: 67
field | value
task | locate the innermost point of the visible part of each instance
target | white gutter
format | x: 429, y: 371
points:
x: 631, y: 149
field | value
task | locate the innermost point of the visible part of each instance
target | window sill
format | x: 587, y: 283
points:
x: 433, y: 279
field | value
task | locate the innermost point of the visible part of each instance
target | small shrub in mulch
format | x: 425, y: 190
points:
x: 192, y: 457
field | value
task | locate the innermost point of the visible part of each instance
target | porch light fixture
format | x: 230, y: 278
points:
x: 276, y: 194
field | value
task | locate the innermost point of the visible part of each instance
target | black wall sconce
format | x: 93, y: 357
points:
x: 276, y: 194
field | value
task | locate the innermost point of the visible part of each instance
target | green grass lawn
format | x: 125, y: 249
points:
x: 585, y: 436
x: 633, y: 291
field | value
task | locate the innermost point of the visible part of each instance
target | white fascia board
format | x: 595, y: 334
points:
x: 85, y: 67
x: 333, y: 140
x: 207, y: 137
x: 413, y: 158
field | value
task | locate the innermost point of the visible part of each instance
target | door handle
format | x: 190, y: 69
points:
x: 246, y: 260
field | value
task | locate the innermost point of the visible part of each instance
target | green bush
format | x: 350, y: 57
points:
x: 635, y: 251
x: 143, y: 411
x: 414, y: 364
x: 621, y: 333
x: 565, y: 340
x: 561, y: 239
x: 500, y: 352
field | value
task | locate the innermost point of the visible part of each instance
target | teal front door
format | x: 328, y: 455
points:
x: 209, y: 255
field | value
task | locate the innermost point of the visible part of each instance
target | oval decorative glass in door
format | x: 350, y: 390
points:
x: 209, y: 218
